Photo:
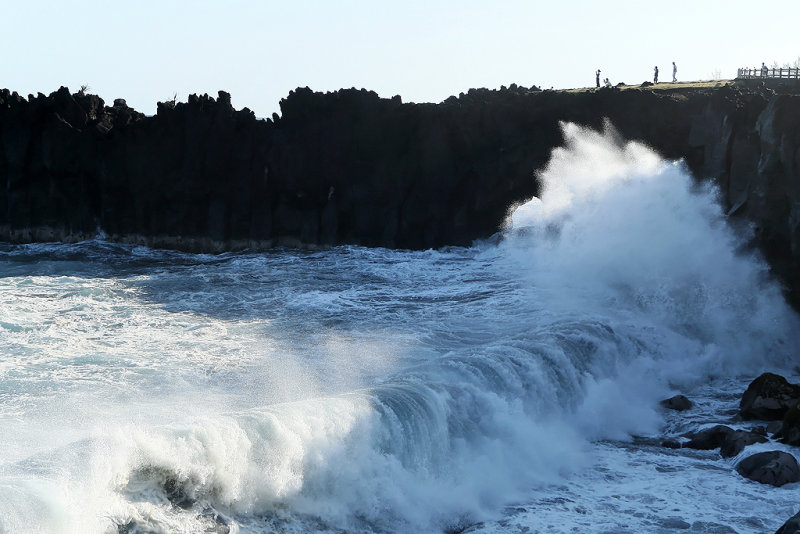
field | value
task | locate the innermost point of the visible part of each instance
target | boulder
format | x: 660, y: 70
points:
x: 773, y: 467
x: 678, y: 403
x: 774, y: 428
x: 792, y: 525
x: 730, y: 442
x: 768, y: 397
x: 709, y: 438
x: 790, y: 428
x: 736, y: 441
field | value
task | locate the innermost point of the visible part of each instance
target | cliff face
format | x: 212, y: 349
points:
x: 350, y: 167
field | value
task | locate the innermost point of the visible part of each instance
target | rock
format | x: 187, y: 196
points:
x: 710, y: 438
x: 709, y: 527
x: 675, y: 523
x: 678, y: 403
x: 774, y: 428
x: 774, y: 467
x: 736, y: 441
x: 730, y: 442
x: 790, y: 427
x: 792, y: 525
x: 671, y: 444
x: 768, y: 397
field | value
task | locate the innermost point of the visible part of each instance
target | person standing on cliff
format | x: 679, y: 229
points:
x: 764, y: 70
x: 655, y: 74
x: 674, y: 72
x: 597, y: 75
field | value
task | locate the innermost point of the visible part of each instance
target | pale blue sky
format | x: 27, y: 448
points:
x: 146, y: 51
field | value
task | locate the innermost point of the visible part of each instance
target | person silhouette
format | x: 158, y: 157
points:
x: 655, y: 74
x: 597, y: 79
x: 674, y: 72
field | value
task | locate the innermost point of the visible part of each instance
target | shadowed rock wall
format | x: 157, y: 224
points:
x: 350, y: 167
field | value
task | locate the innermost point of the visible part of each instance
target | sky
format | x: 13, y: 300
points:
x: 147, y: 51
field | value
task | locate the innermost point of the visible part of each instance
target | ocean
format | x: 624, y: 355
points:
x: 511, y: 386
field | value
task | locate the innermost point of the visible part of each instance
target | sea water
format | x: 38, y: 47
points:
x: 512, y: 386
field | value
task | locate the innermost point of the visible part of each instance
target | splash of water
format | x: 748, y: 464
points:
x: 620, y: 231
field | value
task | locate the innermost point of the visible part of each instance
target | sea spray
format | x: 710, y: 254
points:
x: 629, y: 235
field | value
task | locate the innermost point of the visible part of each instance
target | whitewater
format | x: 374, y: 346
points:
x: 511, y: 386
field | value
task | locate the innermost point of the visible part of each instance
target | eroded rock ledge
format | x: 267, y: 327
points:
x: 350, y: 167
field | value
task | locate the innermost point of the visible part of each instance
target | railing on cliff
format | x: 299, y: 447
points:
x: 783, y: 73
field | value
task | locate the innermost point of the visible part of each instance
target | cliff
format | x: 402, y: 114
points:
x: 350, y: 167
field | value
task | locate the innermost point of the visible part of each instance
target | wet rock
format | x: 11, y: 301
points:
x: 730, y: 442
x: 678, y: 403
x: 708, y: 527
x: 774, y: 428
x: 736, y: 441
x: 774, y: 467
x: 671, y: 444
x: 768, y: 397
x: 790, y: 427
x: 792, y: 525
x: 675, y: 523
x: 710, y: 438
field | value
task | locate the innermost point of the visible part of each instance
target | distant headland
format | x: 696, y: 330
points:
x: 349, y: 167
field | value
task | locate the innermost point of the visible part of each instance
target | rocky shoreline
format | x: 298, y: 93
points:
x: 769, y: 411
x: 349, y: 167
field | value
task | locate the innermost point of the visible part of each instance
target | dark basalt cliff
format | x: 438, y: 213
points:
x: 350, y: 167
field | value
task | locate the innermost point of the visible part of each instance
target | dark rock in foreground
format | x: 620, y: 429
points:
x: 768, y: 397
x: 730, y: 442
x: 710, y: 438
x: 738, y: 440
x: 774, y: 467
x: 678, y: 403
x: 790, y: 426
x: 792, y: 525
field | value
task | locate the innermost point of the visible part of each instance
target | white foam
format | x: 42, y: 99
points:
x: 620, y: 233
